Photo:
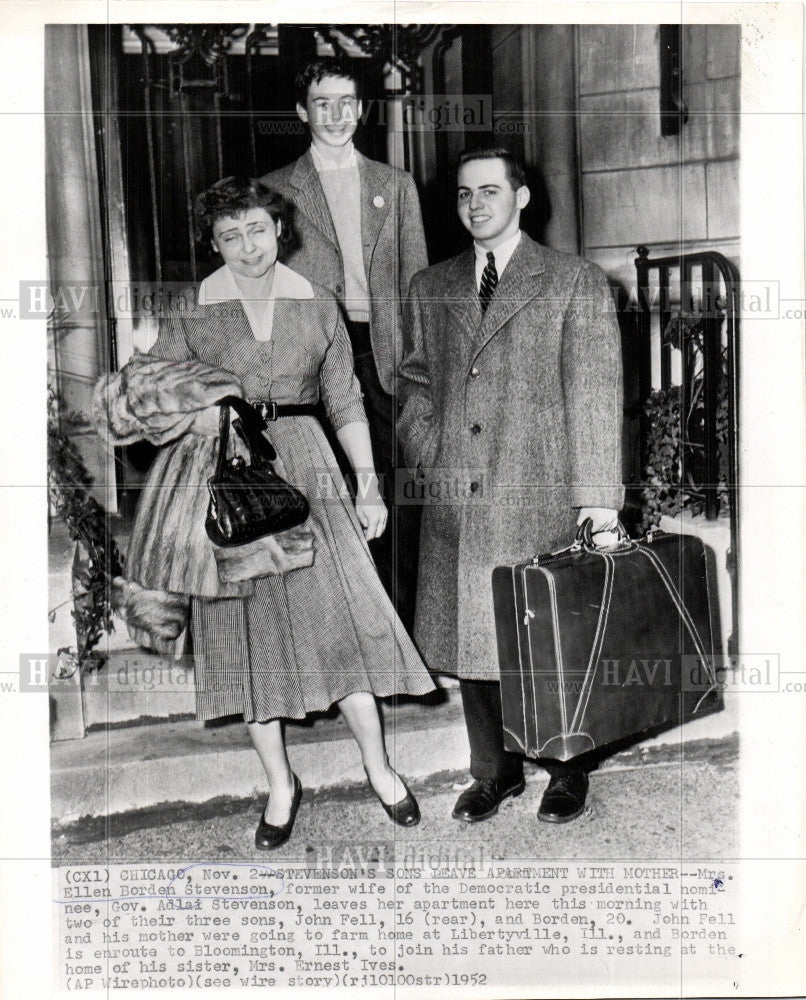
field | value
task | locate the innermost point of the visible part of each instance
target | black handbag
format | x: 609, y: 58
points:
x: 248, y: 502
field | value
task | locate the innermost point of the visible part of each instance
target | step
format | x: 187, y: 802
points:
x: 117, y: 770
x: 135, y: 686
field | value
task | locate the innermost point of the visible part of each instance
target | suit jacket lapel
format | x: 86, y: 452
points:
x: 520, y: 283
x: 377, y: 195
x: 310, y: 198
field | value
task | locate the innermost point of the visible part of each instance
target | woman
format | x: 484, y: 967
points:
x: 315, y: 636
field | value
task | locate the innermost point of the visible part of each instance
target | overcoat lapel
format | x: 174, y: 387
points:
x: 520, y: 284
x: 460, y: 291
x: 310, y: 198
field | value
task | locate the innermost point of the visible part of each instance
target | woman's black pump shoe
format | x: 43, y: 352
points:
x: 268, y: 837
x: 406, y: 812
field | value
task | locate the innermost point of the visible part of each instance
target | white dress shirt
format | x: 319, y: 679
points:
x: 501, y: 253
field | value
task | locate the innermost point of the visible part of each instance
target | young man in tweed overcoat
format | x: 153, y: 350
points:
x: 511, y: 383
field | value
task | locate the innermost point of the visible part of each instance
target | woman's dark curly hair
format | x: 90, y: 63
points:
x: 232, y: 196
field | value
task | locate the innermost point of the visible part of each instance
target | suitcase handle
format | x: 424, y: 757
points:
x: 584, y: 542
x: 584, y: 538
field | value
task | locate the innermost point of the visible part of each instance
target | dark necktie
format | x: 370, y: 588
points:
x: 489, y: 279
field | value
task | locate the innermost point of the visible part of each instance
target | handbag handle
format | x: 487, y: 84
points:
x: 251, y: 424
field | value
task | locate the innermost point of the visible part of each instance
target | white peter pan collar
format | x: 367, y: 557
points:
x: 220, y: 286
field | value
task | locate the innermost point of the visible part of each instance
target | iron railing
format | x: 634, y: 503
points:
x: 699, y: 294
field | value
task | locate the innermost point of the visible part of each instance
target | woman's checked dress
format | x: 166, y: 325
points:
x: 308, y: 638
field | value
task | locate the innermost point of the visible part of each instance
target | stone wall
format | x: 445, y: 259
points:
x: 670, y: 192
x: 589, y: 99
x: 533, y: 117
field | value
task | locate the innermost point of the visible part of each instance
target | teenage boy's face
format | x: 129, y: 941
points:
x: 331, y: 110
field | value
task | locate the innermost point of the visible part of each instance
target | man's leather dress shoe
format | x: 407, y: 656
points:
x: 483, y: 798
x: 564, y: 797
x: 269, y: 837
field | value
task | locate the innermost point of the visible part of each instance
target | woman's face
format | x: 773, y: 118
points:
x: 247, y: 242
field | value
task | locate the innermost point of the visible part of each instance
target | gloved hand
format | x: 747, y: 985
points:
x: 605, y: 523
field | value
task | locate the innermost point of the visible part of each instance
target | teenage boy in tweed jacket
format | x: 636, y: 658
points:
x: 511, y: 371
x: 361, y: 237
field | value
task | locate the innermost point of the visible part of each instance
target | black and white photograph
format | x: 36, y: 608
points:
x: 418, y: 499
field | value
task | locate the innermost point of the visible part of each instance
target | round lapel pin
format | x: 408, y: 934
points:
x: 378, y: 201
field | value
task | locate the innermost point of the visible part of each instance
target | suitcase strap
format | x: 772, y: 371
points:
x: 674, y: 593
x: 598, y: 640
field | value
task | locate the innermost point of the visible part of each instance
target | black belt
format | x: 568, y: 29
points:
x: 270, y: 410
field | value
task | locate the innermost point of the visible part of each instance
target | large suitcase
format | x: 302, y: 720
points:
x: 600, y: 645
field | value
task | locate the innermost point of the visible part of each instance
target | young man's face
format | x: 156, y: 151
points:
x: 331, y: 110
x: 489, y: 207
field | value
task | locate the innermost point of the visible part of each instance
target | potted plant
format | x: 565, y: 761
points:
x: 675, y: 443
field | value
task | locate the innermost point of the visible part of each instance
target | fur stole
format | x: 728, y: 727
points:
x: 280, y: 553
x: 156, y: 400
x: 170, y: 558
x: 155, y: 619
